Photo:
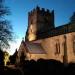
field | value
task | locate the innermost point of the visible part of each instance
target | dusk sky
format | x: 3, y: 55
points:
x: 63, y: 10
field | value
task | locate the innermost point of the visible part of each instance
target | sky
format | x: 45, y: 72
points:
x: 63, y: 10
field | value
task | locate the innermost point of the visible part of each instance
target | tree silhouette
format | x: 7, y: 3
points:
x: 5, y: 27
x: 1, y: 57
x: 13, y: 57
x: 22, y: 58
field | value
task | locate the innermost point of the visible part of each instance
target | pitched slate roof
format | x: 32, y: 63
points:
x: 34, y: 48
x: 64, y: 29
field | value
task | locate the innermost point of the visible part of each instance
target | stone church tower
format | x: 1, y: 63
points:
x: 39, y: 21
x: 44, y: 40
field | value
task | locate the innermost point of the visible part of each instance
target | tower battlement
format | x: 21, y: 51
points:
x: 40, y: 20
x: 40, y: 10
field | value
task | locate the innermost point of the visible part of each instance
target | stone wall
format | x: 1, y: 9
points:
x: 71, y: 47
x: 36, y: 56
x: 59, y: 47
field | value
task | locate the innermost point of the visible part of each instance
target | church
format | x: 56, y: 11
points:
x: 45, y: 41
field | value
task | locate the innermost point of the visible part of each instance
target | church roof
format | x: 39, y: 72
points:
x: 34, y: 48
x: 64, y: 29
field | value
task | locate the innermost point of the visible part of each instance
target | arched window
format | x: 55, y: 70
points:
x: 74, y: 45
x: 65, y: 44
x: 57, y: 48
x: 65, y: 56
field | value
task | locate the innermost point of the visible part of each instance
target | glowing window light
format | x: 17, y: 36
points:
x: 32, y: 37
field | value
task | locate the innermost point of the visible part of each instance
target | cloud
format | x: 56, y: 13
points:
x: 14, y: 46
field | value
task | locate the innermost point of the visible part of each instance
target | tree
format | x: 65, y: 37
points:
x: 5, y: 27
x: 6, y: 58
x: 13, y: 57
x: 22, y: 57
x: 1, y: 57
